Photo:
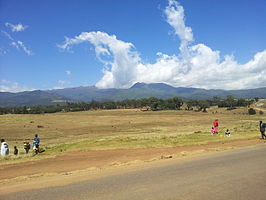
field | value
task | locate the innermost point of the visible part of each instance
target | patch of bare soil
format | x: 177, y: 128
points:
x: 76, y: 161
x: 87, y: 159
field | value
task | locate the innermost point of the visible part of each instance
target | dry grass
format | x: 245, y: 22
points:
x: 106, y: 129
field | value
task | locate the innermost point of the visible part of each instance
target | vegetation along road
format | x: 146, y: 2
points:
x: 238, y: 174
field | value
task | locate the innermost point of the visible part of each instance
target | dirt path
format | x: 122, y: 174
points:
x: 82, y: 160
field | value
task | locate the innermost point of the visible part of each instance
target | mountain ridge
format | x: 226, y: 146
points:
x: 137, y: 91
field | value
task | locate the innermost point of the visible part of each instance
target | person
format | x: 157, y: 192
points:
x: 15, y: 150
x: 26, y: 146
x: 212, y: 130
x: 36, y: 143
x: 227, y: 133
x: 4, y: 148
x: 262, y: 130
x: 216, y: 124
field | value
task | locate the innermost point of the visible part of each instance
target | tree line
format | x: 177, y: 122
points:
x: 151, y: 103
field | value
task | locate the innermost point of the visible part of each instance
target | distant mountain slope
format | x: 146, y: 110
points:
x: 85, y: 93
x: 138, y: 90
x: 30, y: 98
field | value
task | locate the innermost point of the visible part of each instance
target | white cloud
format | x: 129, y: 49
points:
x: 61, y: 82
x: 195, y: 66
x: 17, y: 44
x: 68, y: 73
x: 24, y: 48
x: 20, y: 46
x: 9, y: 86
x: 175, y: 17
x: 56, y: 88
x: 15, y: 27
x: 3, y: 51
x: 7, y: 35
x: 118, y: 57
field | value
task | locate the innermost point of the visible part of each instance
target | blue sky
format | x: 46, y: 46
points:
x: 205, y: 44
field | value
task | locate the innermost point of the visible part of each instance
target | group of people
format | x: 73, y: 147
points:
x: 26, y: 145
x: 215, y: 129
x: 36, y: 141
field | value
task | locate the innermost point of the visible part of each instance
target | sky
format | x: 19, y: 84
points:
x: 52, y: 44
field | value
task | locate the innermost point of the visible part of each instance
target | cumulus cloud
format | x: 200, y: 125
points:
x: 118, y: 57
x: 194, y: 66
x: 175, y: 17
x: 9, y: 86
x: 15, y: 27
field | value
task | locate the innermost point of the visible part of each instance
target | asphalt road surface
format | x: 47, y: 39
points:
x: 235, y: 175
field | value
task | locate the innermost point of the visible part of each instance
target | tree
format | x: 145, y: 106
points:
x: 154, y: 103
x: 215, y: 100
x: 203, y: 105
x: 230, y: 100
x: 190, y: 103
x: 178, y: 102
x: 251, y: 111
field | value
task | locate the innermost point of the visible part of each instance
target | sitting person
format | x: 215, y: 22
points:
x: 227, y: 133
x: 213, y: 130
x: 15, y: 150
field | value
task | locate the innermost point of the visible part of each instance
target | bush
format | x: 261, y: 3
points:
x: 261, y: 112
x: 251, y: 111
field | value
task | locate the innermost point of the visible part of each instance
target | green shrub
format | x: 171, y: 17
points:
x: 251, y: 111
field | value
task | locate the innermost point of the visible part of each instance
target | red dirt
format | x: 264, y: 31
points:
x: 87, y: 159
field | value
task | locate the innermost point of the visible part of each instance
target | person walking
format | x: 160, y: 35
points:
x: 262, y: 130
x: 36, y: 143
x: 4, y: 148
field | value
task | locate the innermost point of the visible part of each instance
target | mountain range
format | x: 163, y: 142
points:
x: 137, y: 91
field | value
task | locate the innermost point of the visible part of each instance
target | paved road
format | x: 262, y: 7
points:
x: 236, y: 175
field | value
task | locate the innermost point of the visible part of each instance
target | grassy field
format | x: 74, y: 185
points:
x: 110, y: 129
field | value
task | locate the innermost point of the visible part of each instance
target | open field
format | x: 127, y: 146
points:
x: 82, y: 145
x: 127, y: 129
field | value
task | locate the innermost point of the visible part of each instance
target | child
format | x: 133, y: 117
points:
x: 213, y: 130
x: 15, y: 150
x: 227, y: 133
x: 27, y: 146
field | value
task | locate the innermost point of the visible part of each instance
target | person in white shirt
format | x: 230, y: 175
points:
x: 4, y: 148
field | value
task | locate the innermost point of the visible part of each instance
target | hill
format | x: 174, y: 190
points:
x: 138, y: 90
x: 30, y: 98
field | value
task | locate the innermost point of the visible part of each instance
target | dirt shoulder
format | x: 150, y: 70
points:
x: 77, y: 166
